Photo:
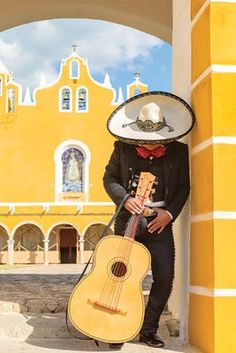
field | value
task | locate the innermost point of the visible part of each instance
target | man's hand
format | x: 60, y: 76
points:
x: 133, y: 206
x: 160, y: 221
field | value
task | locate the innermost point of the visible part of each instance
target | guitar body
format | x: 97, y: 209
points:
x: 108, y: 303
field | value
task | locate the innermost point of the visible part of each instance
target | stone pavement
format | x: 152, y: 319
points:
x: 24, y: 328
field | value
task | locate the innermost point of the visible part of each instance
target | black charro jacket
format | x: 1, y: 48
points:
x: 175, y: 172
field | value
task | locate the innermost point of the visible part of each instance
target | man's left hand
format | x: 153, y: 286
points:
x: 160, y: 221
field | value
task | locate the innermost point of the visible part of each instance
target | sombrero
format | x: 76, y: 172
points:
x: 151, y: 117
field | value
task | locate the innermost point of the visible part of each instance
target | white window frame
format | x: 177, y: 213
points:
x: 77, y: 99
x: 71, y: 69
x: 60, y: 100
x: 59, y: 166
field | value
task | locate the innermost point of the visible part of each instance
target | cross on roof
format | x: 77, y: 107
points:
x: 74, y: 46
x: 136, y: 75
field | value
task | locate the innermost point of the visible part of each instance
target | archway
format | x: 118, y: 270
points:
x: 28, y: 244
x: 63, y: 244
x: 3, y: 245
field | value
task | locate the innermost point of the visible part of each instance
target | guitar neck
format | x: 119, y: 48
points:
x: 132, y: 226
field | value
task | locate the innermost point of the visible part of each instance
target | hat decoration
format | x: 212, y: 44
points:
x: 151, y: 117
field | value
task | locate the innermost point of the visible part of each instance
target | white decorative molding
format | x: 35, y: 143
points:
x: 213, y: 292
x: 204, y: 6
x: 77, y: 100
x: 228, y: 140
x: 216, y: 69
x: 60, y: 100
x: 213, y: 215
x: 63, y: 203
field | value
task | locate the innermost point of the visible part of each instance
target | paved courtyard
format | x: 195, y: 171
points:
x: 32, y: 314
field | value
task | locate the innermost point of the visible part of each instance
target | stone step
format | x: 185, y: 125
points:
x: 40, y: 293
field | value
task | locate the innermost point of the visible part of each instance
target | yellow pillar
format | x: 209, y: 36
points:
x: 212, y: 303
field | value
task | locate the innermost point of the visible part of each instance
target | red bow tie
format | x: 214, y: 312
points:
x: 156, y: 153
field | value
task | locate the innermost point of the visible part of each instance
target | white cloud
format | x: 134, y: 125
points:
x: 37, y: 48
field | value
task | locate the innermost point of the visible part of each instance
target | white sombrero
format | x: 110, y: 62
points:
x: 152, y: 117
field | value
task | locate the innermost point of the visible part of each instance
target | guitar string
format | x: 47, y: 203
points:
x: 112, y: 289
x: 109, y: 291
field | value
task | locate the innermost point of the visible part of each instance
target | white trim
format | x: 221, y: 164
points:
x: 5, y: 227
x: 77, y: 100
x: 202, y: 217
x: 213, y: 215
x: 200, y: 12
x: 47, y: 234
x: 228, y: 140
x: 60, y: 100
x: 201, y: 146
x: 201, y: 77
x: 213, y: 292
x: 214, y: 68
x: 47, y: 204
x: 77, y: 61
x: 204, y: 6
x: 27, y: 223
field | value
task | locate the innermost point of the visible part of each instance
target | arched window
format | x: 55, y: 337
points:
x: 65, y: 99
x: 82, y: 99
x: 74, y: 69
x: 72, y: 174
x: 11, y: 100
x: 72, y: 159
x: 137, y: 91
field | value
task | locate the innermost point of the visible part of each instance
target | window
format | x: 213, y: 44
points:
x: 10, y: 100
x: 137, y: 91
x: 72, y: 164
x: 65, y: 99
x: 82, y: 99
x: 74, y: 69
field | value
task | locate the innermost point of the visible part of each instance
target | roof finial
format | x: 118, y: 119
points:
x: 75, y: 46
x: 136, y: 75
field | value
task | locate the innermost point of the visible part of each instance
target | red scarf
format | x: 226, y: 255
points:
x: 156, y: 153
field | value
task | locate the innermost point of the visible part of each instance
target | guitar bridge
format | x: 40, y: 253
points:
x: 111, y: 308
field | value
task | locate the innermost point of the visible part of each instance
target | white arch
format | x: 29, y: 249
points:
x: 58, y: 165
x: 26, y: 223
x: 92, y: 224
x: 77, y: 99
x: 6, y: 229
x: 54, y: 225
x: 60, y: 100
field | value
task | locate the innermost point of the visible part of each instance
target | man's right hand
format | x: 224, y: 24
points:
x: 133, y: 206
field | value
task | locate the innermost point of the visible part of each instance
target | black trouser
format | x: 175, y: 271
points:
x: 161, y: 248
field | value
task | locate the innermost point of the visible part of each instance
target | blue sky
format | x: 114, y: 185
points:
x: 35, y: 50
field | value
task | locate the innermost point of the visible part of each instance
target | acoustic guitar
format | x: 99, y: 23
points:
x: 108, y: 304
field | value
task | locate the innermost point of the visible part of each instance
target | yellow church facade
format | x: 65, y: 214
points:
x: 54, y: 149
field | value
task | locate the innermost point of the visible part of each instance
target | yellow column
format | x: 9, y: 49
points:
x: 212, y: 304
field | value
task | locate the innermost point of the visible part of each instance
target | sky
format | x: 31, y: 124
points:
x: 36, y: 49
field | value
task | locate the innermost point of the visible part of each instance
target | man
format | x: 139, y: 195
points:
x: 147, y: 127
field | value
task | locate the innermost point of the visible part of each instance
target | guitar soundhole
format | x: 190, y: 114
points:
x: 119, y: 269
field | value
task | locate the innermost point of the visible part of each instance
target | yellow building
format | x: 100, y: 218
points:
x: 54, y: 149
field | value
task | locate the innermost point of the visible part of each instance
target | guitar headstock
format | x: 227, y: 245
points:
x: 144, y: 188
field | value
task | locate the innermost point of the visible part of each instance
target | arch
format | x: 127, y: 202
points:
x: 63, y: 243
x: 65, y: 99
x: 24, y: 223
x: 155, y: 19
x: 28, y: 244
x: 5, y: 228
x: 59, y: 166
x: 92, y: 235
x: 4, y: 237
x: 82, y: 99
x: 74, y: 69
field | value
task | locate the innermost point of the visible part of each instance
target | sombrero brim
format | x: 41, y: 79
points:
x: 177, y: 113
